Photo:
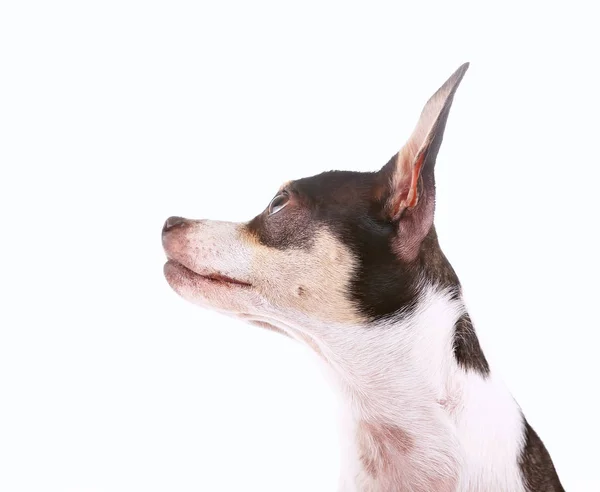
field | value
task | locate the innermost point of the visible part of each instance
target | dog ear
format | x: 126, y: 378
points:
x: 409, y: 175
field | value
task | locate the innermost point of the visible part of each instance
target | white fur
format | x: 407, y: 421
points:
x: 412, y: 418
x: 404, y: 373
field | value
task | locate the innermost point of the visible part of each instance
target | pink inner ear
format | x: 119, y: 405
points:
x: 413, y: 196
x: 409, y: 197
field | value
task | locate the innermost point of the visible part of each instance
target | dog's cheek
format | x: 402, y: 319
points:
x: 310, y: 282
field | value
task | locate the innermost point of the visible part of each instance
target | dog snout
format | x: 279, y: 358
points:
x: 174, y: 222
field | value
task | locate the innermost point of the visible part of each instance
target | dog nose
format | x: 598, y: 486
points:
x: 173, y: 222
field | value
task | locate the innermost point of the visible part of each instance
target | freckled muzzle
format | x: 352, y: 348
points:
x: 174, y: 239
x: 207, y: 262
x: 198, y: 246
x: 224, y: 266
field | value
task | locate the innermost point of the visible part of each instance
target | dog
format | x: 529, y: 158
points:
x: 349, y: 264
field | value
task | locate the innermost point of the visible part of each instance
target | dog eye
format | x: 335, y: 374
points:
x: 279, y: 202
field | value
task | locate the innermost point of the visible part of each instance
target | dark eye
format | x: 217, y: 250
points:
x: 279, y: 202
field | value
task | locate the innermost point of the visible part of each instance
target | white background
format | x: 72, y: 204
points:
x: 117, y: 114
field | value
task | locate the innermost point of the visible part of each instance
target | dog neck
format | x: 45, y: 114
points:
x: 394, y: 380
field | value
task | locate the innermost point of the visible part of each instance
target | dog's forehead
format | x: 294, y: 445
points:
x: 336, y: 187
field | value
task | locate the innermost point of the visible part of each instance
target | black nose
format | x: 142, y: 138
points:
x: 173, y: 222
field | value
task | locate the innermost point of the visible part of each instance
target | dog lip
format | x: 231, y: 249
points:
x: 216, y: 278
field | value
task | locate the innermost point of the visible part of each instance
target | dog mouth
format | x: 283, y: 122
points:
x: 213, y: 278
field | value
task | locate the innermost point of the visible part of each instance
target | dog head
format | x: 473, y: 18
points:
x: 340, y: 248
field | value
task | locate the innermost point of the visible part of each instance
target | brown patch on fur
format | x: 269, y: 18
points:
x: 249, y: 235
x: 467, y: 350
x: 293, y: 229
x: 380, y: 445
x: 433, y: 261
x: 381, y: 188
x: 536, y: 465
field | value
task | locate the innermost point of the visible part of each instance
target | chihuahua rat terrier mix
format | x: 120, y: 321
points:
x: 349, y: 264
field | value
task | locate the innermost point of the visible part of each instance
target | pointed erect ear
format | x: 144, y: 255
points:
x: 410, y: 171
